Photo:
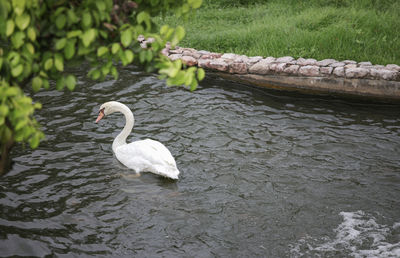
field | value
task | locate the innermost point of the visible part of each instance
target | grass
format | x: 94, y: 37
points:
x: 361, y: 30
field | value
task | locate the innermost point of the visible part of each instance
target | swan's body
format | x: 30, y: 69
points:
x: 142, y: 156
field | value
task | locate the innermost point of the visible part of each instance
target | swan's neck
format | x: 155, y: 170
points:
x: 129, y: 121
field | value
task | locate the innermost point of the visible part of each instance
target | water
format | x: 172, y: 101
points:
x: 263, y: 174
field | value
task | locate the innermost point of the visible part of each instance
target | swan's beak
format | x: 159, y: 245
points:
x: 101, y: 115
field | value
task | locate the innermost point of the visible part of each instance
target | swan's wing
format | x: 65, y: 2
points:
x: 148, y: 155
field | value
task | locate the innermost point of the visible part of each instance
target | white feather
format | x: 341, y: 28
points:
x: 141, y: 156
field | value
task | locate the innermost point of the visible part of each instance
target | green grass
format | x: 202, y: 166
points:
x: 361, y: 30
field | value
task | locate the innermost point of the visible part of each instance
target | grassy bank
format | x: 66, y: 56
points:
x: 361, y: 30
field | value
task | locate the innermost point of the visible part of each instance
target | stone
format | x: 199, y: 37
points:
x: 394, y: 67
x: 189, y: 49
x: 309, y: 70
x: 350, y: 66
x: 385, y: 74
x: 269, y: 59
x: 230, y: 56
x: 261, y: 67
x: 292, y: 69
x: 165, y: 51
x: 339, y: 71
x: 174, y: 57
x: 285, y: 59
x: 255, y: 59
x: 364, y: 64
x: 280, y: 67
x: 326, y: 70
x: 337, y: 64
x: 211, y: 56
x: 240, y: 68
x: 203, y: 63
x: 194, y: 54
x: 176, y: 51
x: 218, y: 64
x: 349, y: 62
x: 272, y: 67
x: 356, y: 72
x: 189, y: 60
x: 309, y: 61
x: 203, y: 52
x: 241, y: 59
x: 326, y: 62
x: 140, y: 38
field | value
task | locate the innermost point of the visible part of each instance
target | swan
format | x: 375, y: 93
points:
x: 141, y: 156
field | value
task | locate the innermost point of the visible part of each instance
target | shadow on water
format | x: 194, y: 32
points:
x: 264, y: 173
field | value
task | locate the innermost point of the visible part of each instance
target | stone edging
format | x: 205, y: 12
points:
x: 328, y: 75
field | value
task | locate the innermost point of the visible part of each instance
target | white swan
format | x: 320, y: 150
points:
x: 142, y: 156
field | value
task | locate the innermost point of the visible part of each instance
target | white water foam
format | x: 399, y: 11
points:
x: 359, y: 235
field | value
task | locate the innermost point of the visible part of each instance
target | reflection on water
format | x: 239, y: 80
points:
x: 262, y: 174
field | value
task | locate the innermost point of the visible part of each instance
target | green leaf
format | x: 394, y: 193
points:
x: 200, y: 74
x: 101, y: 51
x: 180, y: 32
x: 30, y: 48
x: 9, y: 27
x: 21, y: 123
x: 31, y: 34
x: 129, y: 55
x: 115, y: 47
x: 70, y: 81
x: 22, y: 21
x: 69, y: 49
x: 3, y: 110
x: 143, y: 17
x: 60, y: 21
x: 17, y: 39
x: 43, y: 74
x: 95, y: 74
x: 37, y: 83
x: 14, y: 58
x: 16, y: 71
x: 126, y: 38
x: 193, y: 86
x: 12, y: 91
x: 19, y: 6
x: 74, y: 33
x: 86, y: 20
x: 149, y: 56
x: 60, y: 44
x: 48, y: 64
x: 114, y: 72
x: 88, y: 37
x: 101, y: 5
x: 46, y: 84
x: 34, y: 141
x: 72, y: 18
x: 164, y: 29
x: 59, y: 62
x: 60, y: 83
x: 37, y: 105
x: 195, y: 3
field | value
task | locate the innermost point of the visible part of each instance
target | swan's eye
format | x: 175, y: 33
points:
x: 102, y: 111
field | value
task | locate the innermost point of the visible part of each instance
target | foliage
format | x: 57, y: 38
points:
x: 39, y: 39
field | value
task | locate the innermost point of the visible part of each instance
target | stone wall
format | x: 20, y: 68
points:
x: 328, y: 75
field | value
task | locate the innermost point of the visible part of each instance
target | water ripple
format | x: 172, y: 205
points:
x: 260, y: 172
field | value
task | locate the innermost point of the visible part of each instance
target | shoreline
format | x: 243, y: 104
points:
x: 347, y: 77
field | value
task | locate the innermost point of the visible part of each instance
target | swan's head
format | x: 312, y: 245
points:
x: 109, y: 108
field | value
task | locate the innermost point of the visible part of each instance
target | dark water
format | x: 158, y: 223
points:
x: 263, y: 174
